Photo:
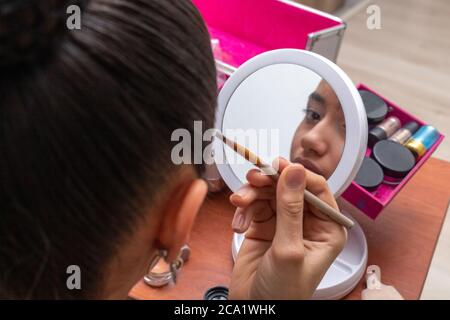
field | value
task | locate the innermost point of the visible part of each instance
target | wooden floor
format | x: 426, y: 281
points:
x: 408, y: 61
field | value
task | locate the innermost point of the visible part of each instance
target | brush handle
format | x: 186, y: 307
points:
x: 272, y: 173
x: 312, y: 199
x: 326, y: 209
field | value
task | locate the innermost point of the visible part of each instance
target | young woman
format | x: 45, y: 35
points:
x: 87, y: 179
x: 320, y: 138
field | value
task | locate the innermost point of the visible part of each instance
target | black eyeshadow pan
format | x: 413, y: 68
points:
x: 395, y: 160
x: 370, y: 175
x: 376, y: 108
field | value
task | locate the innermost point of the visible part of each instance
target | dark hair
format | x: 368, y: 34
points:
x: 86, y: 118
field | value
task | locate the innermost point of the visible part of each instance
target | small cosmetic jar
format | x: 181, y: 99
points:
x: 422, y: 140
x: 384, y: 130
x: 395, y: 160
x: 216, y: 293
x: 402, y: 135
x: 370, y: 175
x: 376, y: 108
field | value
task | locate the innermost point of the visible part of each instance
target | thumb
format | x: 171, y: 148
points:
x: 290, y: 191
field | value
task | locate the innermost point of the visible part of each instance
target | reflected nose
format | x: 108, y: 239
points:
x: 314, y: 141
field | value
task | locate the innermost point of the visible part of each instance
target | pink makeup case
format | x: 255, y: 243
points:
x: 372, y: 203
x: 242, y: 29
x: 246, y: 28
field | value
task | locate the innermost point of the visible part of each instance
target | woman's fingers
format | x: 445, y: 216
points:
x: 288, y: 239
x: 241, y: 220
x: 317, y: 185
x: 248, y: 194
x: 260, y: 186
x: 258, y: 212
x: 322, y: 228
x: 258, y: 179
x: 280, y: 164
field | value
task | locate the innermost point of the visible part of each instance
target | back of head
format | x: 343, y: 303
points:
x: 86, y: 118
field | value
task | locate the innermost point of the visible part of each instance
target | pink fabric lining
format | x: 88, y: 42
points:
x: 246, y: 28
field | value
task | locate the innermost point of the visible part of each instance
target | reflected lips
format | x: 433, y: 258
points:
x: 308, y: 165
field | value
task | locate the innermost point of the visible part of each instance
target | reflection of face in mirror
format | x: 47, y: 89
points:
x: 289, y: 111
x: 319, y: 139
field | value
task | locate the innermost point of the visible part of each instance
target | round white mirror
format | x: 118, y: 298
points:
x: 294, y: 104
x: 301, y: 106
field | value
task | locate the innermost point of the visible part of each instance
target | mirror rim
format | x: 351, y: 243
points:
x: 351, y: 102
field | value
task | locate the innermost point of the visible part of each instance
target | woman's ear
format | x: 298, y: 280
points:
x: 178, y: 218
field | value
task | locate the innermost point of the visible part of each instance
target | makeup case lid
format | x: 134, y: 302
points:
x: 247, y: 28
x: 370, y: 175
x: 376, y: 108
x: 395, y: 159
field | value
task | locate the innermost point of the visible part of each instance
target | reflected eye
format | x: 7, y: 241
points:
x: 312, y: 116
x: 342, y: 128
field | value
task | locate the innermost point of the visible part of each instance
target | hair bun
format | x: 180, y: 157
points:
x: 29, y: 29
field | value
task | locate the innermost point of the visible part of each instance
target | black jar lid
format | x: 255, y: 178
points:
x: 216, y: 293
x: 370, y: 175
x: 376, y: 108
x: 395, y: 160
x: 376, y: 134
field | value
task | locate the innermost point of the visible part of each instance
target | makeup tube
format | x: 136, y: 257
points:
x: 402, y: 135
x: 384, y: 130
x: 422, y: 140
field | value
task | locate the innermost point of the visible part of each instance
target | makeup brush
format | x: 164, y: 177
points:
x: 312, y: 199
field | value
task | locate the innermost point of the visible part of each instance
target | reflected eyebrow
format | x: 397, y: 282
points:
x: 317, y: 97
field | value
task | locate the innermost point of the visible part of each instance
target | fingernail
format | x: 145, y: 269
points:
x: 238, y: 195
x: 242, y: 192
x: 238, y: 222
x: 294, y: 177
x: 235, y: 198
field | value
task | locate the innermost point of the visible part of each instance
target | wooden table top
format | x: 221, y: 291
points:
x: 401, y: 240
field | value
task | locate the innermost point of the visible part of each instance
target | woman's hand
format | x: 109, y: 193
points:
x: 289, y: 245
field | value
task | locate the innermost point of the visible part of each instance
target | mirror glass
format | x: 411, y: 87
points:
x: 285, y: 110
